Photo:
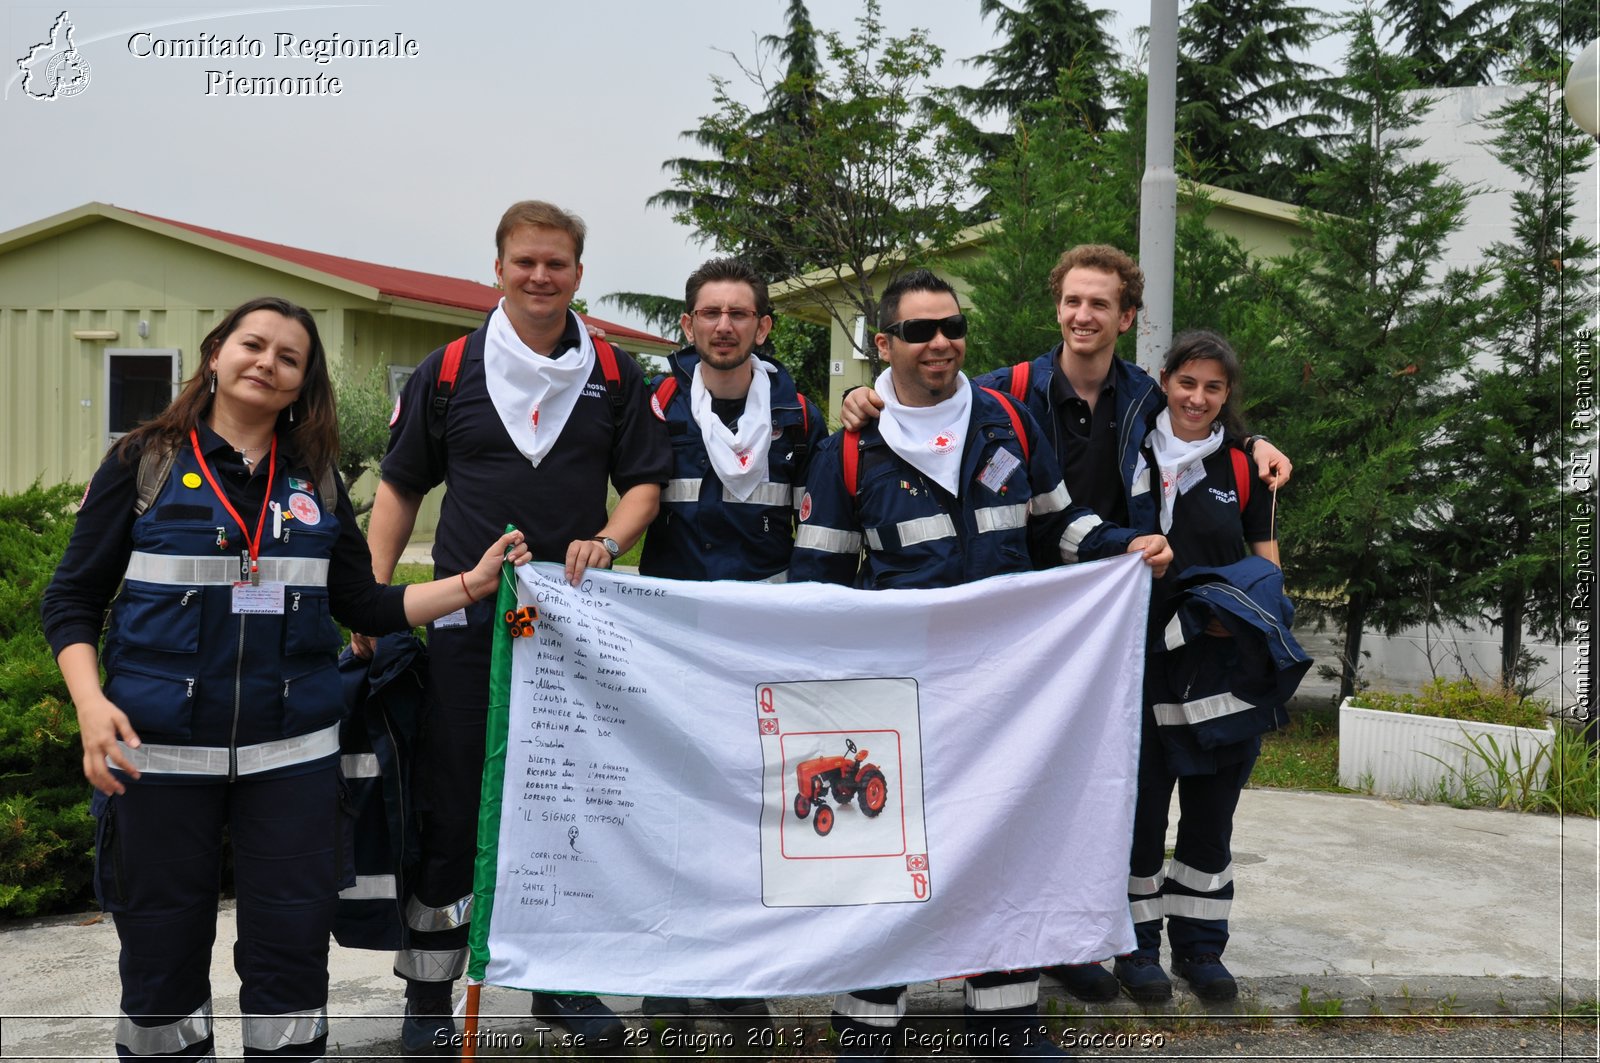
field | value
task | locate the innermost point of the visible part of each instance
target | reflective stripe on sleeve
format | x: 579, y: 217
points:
x: 370, y: 888
x: 432, y: 920
x: 1176, y: 714
x: 827, y: 540
x: 1001, y: 997
x: 799, y: 496
x: 1053, y: 502
x: 421, y: 965
x: 1185, y: 906
x: 874, y: 540
x: 213, y: 760
x: 870, y: 1013
x: 1073, y: 537
x: 269, y: 1033
x: 682, y: 491
x: 1200, y: 881
x: 925, y: 529
x: 167, y: 1040
x: 223, y: 571
x: 1172, y: 638
x: 360, y: 766
x: 1001, y: 518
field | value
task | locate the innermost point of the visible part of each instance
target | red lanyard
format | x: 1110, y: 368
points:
x: 261, y: 521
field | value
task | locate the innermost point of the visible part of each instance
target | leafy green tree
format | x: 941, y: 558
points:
x: 364, y: 409
x: 1451, y: 44
x: 1250, y: 110
x: 1512, y: 443
x: 1364, y: 381
x: 1060, y: 182
x: 867, y: 174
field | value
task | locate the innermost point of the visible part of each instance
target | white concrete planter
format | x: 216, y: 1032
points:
x: 1399, y: 755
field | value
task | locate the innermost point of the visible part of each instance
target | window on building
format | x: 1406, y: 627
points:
x: 139, y: 385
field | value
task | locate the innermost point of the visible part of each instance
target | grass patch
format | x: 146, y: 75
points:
x: 1462, y: 699
x: 1303, y: 755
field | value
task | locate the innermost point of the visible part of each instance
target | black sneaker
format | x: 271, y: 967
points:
x: 1087, y: 981
x: 1206, y: 976
x: 428, y: 1028
x: 668, y: 1014
x: 860, y: 1042
x: 748, y: 1017
x: 594, y: 1026
x: 1016, y: 1033
x: 1143, y: 978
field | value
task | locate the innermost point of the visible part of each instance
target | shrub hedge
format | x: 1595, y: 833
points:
x: 46, y: 833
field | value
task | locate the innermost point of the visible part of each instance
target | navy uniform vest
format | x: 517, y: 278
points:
x: 211, y: 692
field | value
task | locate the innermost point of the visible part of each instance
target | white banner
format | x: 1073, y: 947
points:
x: 729, y: 789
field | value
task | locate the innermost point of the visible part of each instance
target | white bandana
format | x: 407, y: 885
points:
x: 931, y: 438
x: 1177, y: 458
x: 533, y: 393
x: 738, y: 458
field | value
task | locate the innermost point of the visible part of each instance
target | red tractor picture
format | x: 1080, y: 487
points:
x: 843, y: 777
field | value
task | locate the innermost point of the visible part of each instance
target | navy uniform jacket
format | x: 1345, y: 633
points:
x: 1138, y: 401
x: 918, y: 535
x: 705, y: 533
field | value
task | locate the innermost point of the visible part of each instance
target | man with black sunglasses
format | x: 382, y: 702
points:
x: 1097, y: 409
x: 952, y: 484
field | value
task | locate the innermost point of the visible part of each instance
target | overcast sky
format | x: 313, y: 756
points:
x: 413, y: 162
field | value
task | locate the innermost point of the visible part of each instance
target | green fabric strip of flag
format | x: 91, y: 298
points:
x: 494, y: 774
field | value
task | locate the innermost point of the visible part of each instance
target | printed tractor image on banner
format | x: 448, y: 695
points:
x: 839, y: 822
x: 717, y: 789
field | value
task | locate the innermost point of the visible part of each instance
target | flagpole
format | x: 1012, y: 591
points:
x: 469, y: 1042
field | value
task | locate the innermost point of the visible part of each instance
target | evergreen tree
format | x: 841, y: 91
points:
x: 1249, y: 109
x: 1041, y: 39
x: 1364, y: 381
x: 1512, y: 444
x: 1451, y: 44
x: 864, y: 172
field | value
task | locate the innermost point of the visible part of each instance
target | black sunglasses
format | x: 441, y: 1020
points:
x: 921, y: 329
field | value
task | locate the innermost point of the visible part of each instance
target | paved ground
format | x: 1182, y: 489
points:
x: 1347, y: 905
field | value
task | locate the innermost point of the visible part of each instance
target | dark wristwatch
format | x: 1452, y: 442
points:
x: 612, y: 546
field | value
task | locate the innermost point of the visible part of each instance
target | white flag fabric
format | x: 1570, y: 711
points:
x: 738, y: 790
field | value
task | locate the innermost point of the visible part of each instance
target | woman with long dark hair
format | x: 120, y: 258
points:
x: 235, y: 548
x: 1197, y: 734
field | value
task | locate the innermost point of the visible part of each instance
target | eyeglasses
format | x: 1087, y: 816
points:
x: 710, y: 315
x: 921, y: 329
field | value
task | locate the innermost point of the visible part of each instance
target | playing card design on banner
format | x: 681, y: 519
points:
x: 722, y: 789
x: 838, y: 819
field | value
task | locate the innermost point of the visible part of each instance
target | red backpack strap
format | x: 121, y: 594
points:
x: 852, y: 460
x: 1020, y: 374
x: 805, y: 415
x: 1241, y: 476
x: 1016, y: 420
x: 664, y: 393
x: 608, y: 364
x: 445, y: 386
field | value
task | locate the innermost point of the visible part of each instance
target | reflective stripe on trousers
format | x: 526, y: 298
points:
x: 168, y: 1039
x: 272, y: 1033
x: 873, y: 1007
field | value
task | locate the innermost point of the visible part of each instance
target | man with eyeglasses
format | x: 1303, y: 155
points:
x: 742, y: 438
x: 953, y: 483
